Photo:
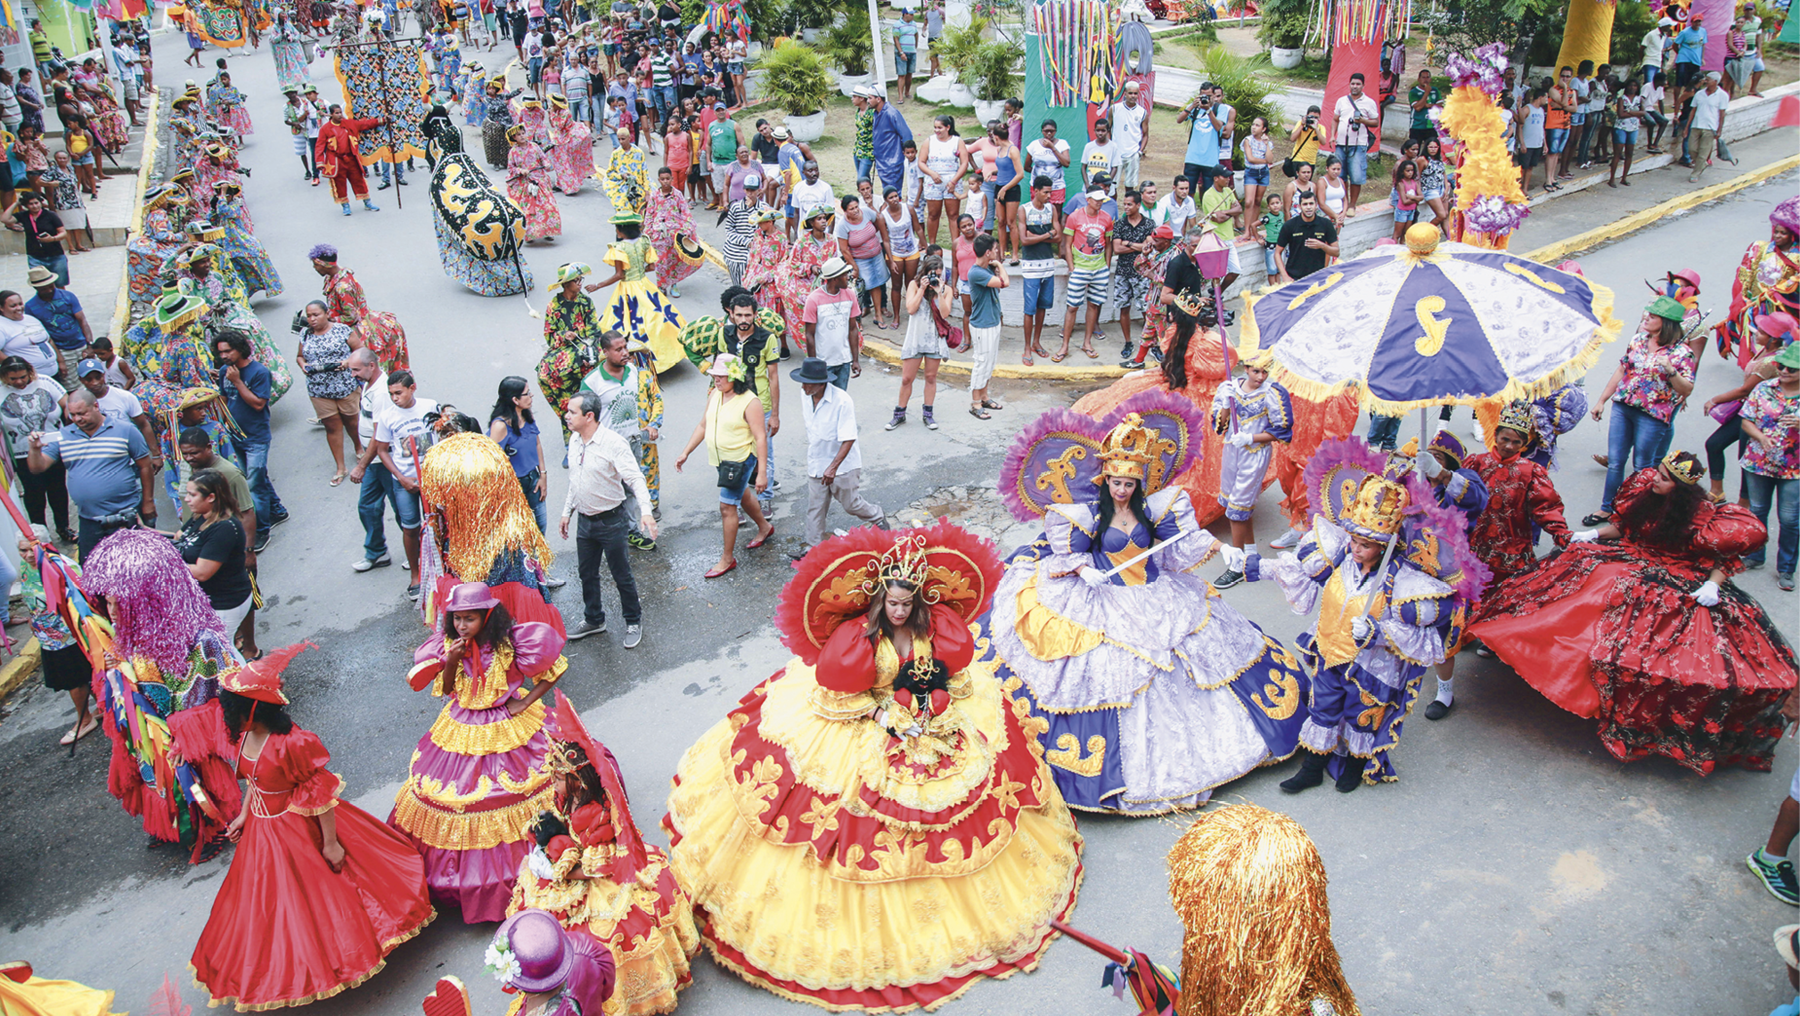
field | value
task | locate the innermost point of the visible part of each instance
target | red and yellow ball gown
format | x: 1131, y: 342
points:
x: 839, y: 864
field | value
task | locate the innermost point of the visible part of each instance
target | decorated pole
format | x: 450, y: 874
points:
x: 1354, y: 30
x: 1587, y: 34
x: 1489, y: 204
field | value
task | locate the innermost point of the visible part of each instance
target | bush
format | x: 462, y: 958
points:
x: 849, y: 43
x: 1630, y: 24
x: 956, y: 48
x: 793, y: 77
x: 1247, y: 91
x: 1284, y: 23
x: 768, y: 18
x: 989, y: 73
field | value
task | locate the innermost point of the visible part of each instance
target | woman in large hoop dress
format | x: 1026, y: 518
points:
x: 165, y: 215
x: 874, y: 828
x: 595, y: 874
x: 480, y: 774
x: 572, y: 149
x: 319, y: 891
x: 529, y: 175
x: 1155, y: 690
x: 1648, y: 635
x: 638, y: 307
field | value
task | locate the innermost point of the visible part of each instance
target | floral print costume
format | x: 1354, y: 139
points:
x: 380, y: 331
x: 573, y: 154
x: 768, y: 251
x: 145, y: 254
x: 528, y: 178
x: 247, y: 254
x: 572, y: 334
x: 625, y: 182
x: 800, y: 274
x: 669, y: 217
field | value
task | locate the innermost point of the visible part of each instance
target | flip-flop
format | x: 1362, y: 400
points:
x: 991, y: 404
x: 718, y: 572
x: 1027, y: 360
x: 338, y: 479
x: 764, y: 538
x: 1093, y: 354
x: 1058, y: 357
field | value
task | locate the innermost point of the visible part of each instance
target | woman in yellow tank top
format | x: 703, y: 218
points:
x: 737, y: 443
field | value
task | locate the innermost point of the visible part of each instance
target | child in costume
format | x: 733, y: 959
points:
x: 595, y: 874
x: 319, y: 891
x: 481, y: 773
x: 1252, y: 414
x: 551, y: 972
x: 1459, y: 489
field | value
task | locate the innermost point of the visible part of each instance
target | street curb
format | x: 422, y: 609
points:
x: 1562, y: 249
x: 20, y: 667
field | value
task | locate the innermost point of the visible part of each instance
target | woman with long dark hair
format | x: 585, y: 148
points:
x: 319, y: 891
x: 943, y: 158
x: 479, y: 775
x: 1647, y: 634
x: 213, y: 544
x: 513, y: 428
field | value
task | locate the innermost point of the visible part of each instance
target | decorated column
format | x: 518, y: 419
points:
x: 1489, y: 203
x: 1070, y: 65
x: 1587, y: 35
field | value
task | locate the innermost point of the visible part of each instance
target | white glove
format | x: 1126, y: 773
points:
x: 1234, y: 556
x: 1361, y: 626
x: 1584, y: 536
x: 1429, y: 464
x: 1242, y: 439
x: 1093, y: 576
x: 1707, y: 595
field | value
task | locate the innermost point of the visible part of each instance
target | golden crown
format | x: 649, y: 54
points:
x: 1380, y: 504
x: 1517, y: 416
x: 1687, y: 471
x: 904, y: 562
x: 1128, y: 449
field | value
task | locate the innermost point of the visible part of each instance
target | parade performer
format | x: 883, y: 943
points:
x: 158, y: 687
x: 631, y: 406
x: 1249, y: 887
x: 594, y: 873
x: 25, y: 993
x: 1456, y: 487
x: 290, y: 52
x: 1552, y: 416
x: 204, y: 270
x: 472, y: 92
x: 572, y: 147
x: 1253, y: 415
x: 571, y: 339
x: 1155, y: 690
x: 638, y: 307
x: 319, y: 891
x: 530, y: 115
x: 169, y: 350
x: 335, y: 154
x: 204, y: 409
x: 552, y: 972
x: 883, y: 778
x: 239, y: 242
x: 669, y: 217
x: 1651, y: 637
x: 499, y: 120
x: 626, y: 184
x: 217, y: 164
x: 165, y: 216
x: 528, y: 178
x: 227, y: 105
x: 185, y: 128
x: 1521, y: 499
x: 380, y: 330
x: 478, y: 228
x: 479, y: 528
x: 768, y: 252
x: 1768, y: 282
x: 1391, y: 576
x: 480, y: 774
x: 804, y: 270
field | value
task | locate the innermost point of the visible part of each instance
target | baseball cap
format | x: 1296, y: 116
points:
x: 752, y: 180
x: 1097, y: 194
x: 89, y: 366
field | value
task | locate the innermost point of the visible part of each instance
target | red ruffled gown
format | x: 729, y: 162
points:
x: 480, y: 774
x: 286, y: 929
x: 1609, y: 631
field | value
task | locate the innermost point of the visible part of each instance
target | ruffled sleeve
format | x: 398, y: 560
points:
x: 1545, y: 506
x: 537, y: 651
x: 1725, y: 533
x: 1069, y: 529
x: 951, y: 642
x: 302, y: 759
x: 593, y: 829
x: 428, y: 662
x: 1181, y: 543
x: 1302, y: 573
x: 1281, y: 415
x: 847, y: 662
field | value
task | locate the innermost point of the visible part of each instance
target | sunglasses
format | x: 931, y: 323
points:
x: 1785, y: 369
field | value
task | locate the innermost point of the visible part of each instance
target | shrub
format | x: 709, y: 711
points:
x: 793, y: 76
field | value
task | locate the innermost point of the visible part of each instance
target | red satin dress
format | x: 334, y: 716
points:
x: 1610, y: 631
x: 286, y: 929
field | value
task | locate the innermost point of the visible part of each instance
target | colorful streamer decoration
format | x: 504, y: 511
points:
x: 1344, y: 22
x: 1080, y: 46
x: 727, y: 18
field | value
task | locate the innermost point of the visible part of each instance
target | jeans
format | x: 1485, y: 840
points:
x: 604, y: 535
x: 865, y: 168
x: 990, y: 188
x: 529, y: 482
x: 582, y: 110
x: 399, y: 172
x: 1767, y: 490
x: 665, y: 101
x: 1634, y: 434
x: 768, y: 495
x: 92, y: 531
x: 253, y: 459
x: 1384, y: 431
x: 378, y: 488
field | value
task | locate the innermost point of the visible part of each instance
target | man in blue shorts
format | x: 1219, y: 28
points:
x: 1040, y: 226
x: 906, y: 51
x: 1358, y: 130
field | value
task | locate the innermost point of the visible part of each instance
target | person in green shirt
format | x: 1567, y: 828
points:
x: 1219, y: 209
x: 1421, y: 97
x: 864, y: 153
x: 1752, y: 29
x: 722, y: 140
x: 40, y: 45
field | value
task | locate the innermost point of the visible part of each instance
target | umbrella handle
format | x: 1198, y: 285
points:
x: 1093, y: 943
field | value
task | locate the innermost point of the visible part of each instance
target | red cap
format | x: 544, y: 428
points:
x: 261, y: 679
x: 1163, y: 233
x: 1779, y: 324
x: 1687, y: 274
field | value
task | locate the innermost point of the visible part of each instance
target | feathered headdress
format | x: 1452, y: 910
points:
x: 1058, y: 458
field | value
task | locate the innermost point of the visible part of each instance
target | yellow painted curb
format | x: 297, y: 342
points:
x: 20, y: 667
x: 1562, y: 249
x: 885, y: 351
x: 121, y: 318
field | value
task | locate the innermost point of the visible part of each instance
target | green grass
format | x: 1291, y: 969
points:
x: 1312, y: 70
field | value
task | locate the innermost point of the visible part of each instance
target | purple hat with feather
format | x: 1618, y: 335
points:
x: 1787, y: 215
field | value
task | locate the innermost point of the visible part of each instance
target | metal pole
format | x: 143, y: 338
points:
x: 877, y: 60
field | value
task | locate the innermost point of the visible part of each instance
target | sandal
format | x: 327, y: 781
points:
x: 979, y: 413
x: 991, y: 404
x: 74, y: 734
x: 1058, y: 357
x: 338, y: 479
x: 1026, y: 359
x: 1093, y: 354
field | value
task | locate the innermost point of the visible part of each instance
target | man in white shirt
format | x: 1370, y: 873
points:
x: 375, y: 485
x: 1100, y: 157
x: 833, y: 460
x: 401, y: 436
x: 1176, y: 209
x: 810, y: 193
x: 1129, y: 118
x: 602, y: 473
x: 1655, y: 41
x: 1358, y: 127
x: 117, y: 403
x: 1708, y: 123
x: 830, y: 319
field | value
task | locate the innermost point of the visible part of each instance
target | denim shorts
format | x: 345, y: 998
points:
x: 905, y: 62
x: 1430, y: 194
x: 1405, y: 214
x: 1040, y: 294
x: 1269, y: 265
x: 729, y: 496
x: 1258, y: 175
x: 734, y: 67
x: 962, y: 286
x: 406, y: 507
x: 1623, y: 137
x: 1558, y: 138
x: 1356, y: 163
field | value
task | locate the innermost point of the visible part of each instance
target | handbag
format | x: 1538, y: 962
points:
x: 952, y: 335
x: 731, y: 474
x: 1291, y: 165
x: 1724, y: 411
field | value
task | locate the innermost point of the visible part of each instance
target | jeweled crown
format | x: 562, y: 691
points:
x: 1517, y: 416
x: 1380, y: 504
x: 1127, y: 450
x: 904, y: 562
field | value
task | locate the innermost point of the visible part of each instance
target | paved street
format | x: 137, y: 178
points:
x: 1516, y: 867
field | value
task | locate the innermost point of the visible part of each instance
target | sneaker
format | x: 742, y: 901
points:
x: 277, y: 518
x: 262, y: 541
x: 1129, y: 364
x: 346, y: 208
x: 898, y: 419
x: 639, y: 541
x: 1786, y: 582
x: 365, y: 564
x: 552, y: 582
x: 1287, y: 541
x: 1778, y: 878
x: 584, y: 629
x: 930, y: 423
x: 1229, y: 579
x: 634, y: 633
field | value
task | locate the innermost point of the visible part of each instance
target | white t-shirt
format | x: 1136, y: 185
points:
x: 1168, y: 213
x: 119, y: 404
x: 26, y: 337
x: 1128, y: 126
x: 1346, y: 112
x: 115, y: 373
x: 830, y: 316
x: 1653, y: 48
x: 1224, y: 111
x: 395, y: 425
x: 1046, y: 160
x: 808, y: 196
x: 1708, y: 109
x: 1098, y: 158
x: 375, y: 400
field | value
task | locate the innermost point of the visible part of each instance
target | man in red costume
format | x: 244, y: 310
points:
x: 1520, y: 496
x: 336, y: 157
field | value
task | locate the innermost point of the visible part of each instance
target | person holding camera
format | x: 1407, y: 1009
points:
x: 1305, y: 136
x: 927, y: 301
x: 1204, y: 134
x: 1358, y: 131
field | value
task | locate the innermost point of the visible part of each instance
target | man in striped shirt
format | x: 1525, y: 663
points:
x: 109, y: 469
x: 662, y: 83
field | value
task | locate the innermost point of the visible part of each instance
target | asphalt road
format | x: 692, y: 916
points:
x: 1516, y: 867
